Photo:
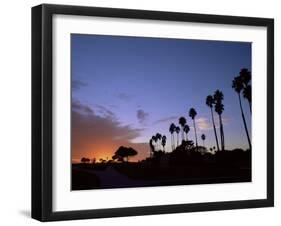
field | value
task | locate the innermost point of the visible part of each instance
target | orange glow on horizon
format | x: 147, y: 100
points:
x: 104, y: 153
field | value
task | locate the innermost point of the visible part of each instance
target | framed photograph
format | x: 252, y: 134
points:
x: 146, y: 112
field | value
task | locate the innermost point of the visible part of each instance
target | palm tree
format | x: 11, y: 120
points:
x: 245, y: 76
x: 182, y: 122
x: 177, y: 131
x: 186, y: 129
x: 203, y: 137
x: 210, y: 104
x: 158, y: 137
x: 151, y: 147
x: 154, y: 140
x: 172, y: 130
x: 192, y: 114
x: 164, y: 138
x: 247, y: 94
x: 237, y: 85
x: 219, y: 108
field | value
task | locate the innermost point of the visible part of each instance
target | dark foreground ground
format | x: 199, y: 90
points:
x: 203, y: 170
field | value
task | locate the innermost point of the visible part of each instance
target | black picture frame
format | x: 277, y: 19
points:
x: 42, y: 111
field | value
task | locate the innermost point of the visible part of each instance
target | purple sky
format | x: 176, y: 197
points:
x: 125, y: 89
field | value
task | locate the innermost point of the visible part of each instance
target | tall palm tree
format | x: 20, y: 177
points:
x: 192, y: 115
x: 151, y: 147
x: 186, y: 129
x: 164, y: 138
x: 245, y: 76
x: 182, y: 122
x: 177, y: 131
x: 219, y: 108
x: 158, y: 137
x: 172, y: 130
x: 210, y: 104
x: 203, y: 137
x: 247, y: 94
x: 237, y: 85
x: 155, y: 141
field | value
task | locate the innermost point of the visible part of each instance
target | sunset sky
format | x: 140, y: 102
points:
x: 125, y: 89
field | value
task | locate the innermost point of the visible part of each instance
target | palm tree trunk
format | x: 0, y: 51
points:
x: 215, y: 130
x: 177, y: 139
x: 172, y: 141
x: 174, y: 144
x: 244, y: 121
x: 182, y: 133
x: 158, y: 147
x: 195, y: 134
x: 222, y: 134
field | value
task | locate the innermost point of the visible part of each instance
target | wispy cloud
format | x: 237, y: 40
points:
x: 204, y: 123
x: 113, y: 106
x: 142, y: 116
x: 124, y: 96
x: 104, y: 111
x: 226, y: 120
x: 82, y: 109
x: 166, y: 119
x: 77, y: 84
x: 95, y: 135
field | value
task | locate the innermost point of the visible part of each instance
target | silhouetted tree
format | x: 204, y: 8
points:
x: 177, y: 131
x: 85, y: 160
x: 125, y: 152
x: 203, y: 137
x: 117, y: 157
x: 247, y: 94
x: 187, y: 145
x: 154, y: 140
x: 192, y: 114
x: 210, y: 104
x: 186, y: 129
x: 237, y: 85
x: 114, y: 157
x: 245, y: 76
x: 182, y: 122
x: 151, y: 147
x: 219, y: 108
x: 172, y: 129
x: 102, y: 160
x: 158, y: 137
x: 164, y: 138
